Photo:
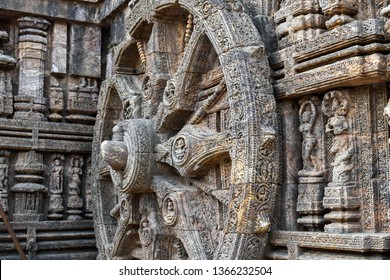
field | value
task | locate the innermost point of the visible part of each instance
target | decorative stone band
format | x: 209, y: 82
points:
x: 346, y: 56
x: 354, y: 242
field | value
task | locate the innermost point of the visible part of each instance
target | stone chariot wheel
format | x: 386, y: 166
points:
x: 184, y: 153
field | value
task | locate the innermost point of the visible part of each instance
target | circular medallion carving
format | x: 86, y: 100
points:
x: 180, y: 150
x: 169, y: 210
x: 169, y: 94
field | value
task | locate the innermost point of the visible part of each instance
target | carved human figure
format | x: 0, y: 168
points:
x: 75, y: 181
x: 342, y: 163
x: 307, y: 116
x: 56, y: 177
x: 335, y: 106
x: 180, y: 148
x: 145, y: 232
x: 169, y: 93
x: 170, y: 211
x: 124, y: 211
x: 132, y: 107
x: 147, y: 89
x: 30, y: 202
x: 338, y: 122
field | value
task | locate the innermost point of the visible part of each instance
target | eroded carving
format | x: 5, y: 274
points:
x: 341, y: 194
x: 75, y: 202
x: 312, y: 176
x: 56, y: 187
x: 188, y: 146
x: 4, y: 189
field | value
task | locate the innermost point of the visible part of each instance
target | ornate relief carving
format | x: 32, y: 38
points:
x: 341, y: 194
x: 339, y: 11
x: 56, y: 104
x: 169, y: 211
x: 190, y: 142
x: 6, y: 62
x: 191, y: 159
x: 75, y: 202
x: 299, y: 20
x: 29, y: 191
x: 311, y: 177
x: 82, y: 100
x: 4, y: 191
x: 56, y: 187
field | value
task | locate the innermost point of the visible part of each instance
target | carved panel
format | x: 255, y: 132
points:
x: 4, y: 188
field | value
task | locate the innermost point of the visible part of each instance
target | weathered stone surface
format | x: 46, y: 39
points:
x: 195, y: 129
x: 59, y: 48
x: 85, y: 51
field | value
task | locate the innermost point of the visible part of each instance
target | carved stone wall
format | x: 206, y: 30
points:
x: 50, y: 74
x: 195, y: 129
x: 341, y: 92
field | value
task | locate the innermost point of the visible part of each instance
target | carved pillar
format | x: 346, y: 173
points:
x: 311, y: 177
x: 342, y: 195
x: 291, y: 161
x: 339, y: 11
x: 30, y: 103
x: 75, y: 202
x: 56, y: 187
x: 4, y: 164
x: 6, y: 63
x: 29, y: 191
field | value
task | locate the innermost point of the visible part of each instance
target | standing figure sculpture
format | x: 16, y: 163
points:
x: 75, y: 202
x: 307, y: 116
x: 56, y: 179
x: 342, y: 192
x: 75, y: 181
x: 311, y: 177
x: 56, y: 187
